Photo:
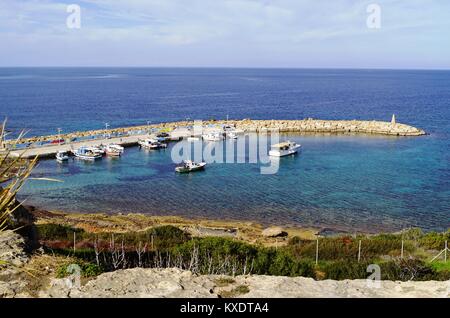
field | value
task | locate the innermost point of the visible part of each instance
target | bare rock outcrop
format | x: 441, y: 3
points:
x: 178, y: 283
x: 12, y: 259
x: 274, y: 231
x: 138, y: 282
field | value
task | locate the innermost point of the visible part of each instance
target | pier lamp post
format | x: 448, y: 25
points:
x: 148, y: 125
x: 106, y: 130
x: 59, y: 135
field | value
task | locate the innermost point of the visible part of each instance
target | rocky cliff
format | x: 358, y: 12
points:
x: 177, y: 283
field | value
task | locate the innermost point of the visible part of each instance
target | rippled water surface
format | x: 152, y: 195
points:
x: 345, y: 182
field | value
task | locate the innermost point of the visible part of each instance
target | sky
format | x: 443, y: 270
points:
x: 412, y: 34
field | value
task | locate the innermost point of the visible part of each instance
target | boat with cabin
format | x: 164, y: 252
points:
x: 282, y: 149
x: 190, y: 166
x: 151, y: 143
x: 215, y: 136
x: 87, y: 153
x: 114, y: 150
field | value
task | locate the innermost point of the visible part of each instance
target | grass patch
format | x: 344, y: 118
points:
x: 235, y: 292
x: 224, y: 281
x: 440, y: 266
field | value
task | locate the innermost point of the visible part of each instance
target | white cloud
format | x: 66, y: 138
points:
x: 221, y: 32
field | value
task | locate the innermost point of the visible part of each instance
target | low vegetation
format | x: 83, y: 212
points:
x: 168, y: 246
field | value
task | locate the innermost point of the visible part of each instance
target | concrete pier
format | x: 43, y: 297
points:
x: 131, y: 135
x: 51, y: 150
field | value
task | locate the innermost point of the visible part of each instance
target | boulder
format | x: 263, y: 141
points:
x: 274, y: 231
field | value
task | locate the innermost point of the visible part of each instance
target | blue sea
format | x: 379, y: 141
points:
x: 341, y: 182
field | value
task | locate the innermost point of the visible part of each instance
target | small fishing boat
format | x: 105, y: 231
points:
x: 87, y: 153
x: 231, y: 135
x: 286, y: 148
x: 193, y: 139
x: 114, y: 150
x: 213, y: 137
x: 190, y: 166
x: 62, y: 156
x: 151, y: 144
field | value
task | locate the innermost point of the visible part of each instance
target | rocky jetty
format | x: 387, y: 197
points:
x: 308, y: 125
x: 330, y: 126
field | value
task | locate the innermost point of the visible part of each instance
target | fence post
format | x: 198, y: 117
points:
x: 445, y: 253
x: 317, y: 251
x: 402, y: 249
x: 359, y: 251
x: 74, y: 241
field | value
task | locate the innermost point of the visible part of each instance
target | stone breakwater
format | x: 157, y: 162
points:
x: 248, y: 125
x: 330, y: 126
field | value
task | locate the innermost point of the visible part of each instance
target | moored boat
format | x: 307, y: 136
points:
x: 282, y: 149
x: 231, y: 135
x: 62, y: 156
x: 151, y: 144
x: 193, y: 138
x: 114, y: 150
x: 213, y: 136
x: 190, y: 166
x: 87, y: 153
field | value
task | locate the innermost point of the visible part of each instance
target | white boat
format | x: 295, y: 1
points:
x: 114, y: 150
x: 190, y: 166
x: 87, y: 153
x: 151, y: 144
x: 193, y: 138
x: 62, y: 156
x: 100, y: 150
x: 213, y: 137
x: 286, y: 148
x: 231, y: 135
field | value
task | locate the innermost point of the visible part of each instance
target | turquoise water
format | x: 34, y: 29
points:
x: 342, y: 182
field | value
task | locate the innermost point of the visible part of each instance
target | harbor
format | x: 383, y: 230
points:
x: 48, y: 146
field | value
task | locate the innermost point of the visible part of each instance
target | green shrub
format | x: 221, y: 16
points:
x: 230, y: 255
x: 433, y: 240
x: 283, y: 264
x: 87, y: 270
x: 411, y: 269
x: 50, y: 231
x: 340, y: 270
x: 346, y: 248
x: 167, y: 236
